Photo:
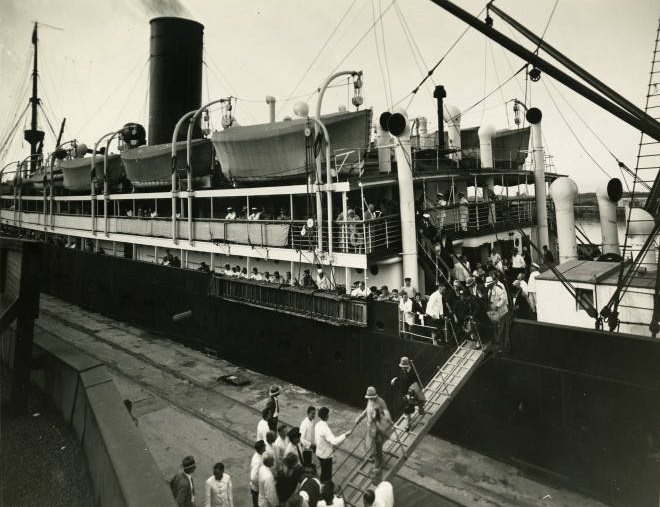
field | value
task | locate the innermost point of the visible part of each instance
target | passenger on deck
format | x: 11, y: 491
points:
x: 394, y: 295
x: 227, y: 271
x: 267, y: 277
x: 288, y: 280
x: 283, y: 214
x: 548, y: 257
x: 460, y: 271
x: 277, y: 278
x: 408, y: 288
x: 307, y: 279
x: 518, y: 262
x: 418, y: 308
x: 203, y: 267
x: 370, y: 212
x: 256, y: 275
x: 498, y: 307
x: 244, y: 274
x: 441, y: 203
x: 231, y: 214
x: 406, y: 311
x: 435, y: 313
x: 496, y: 259
x: 255, y: 214
x: 360, y: 291
x: 236, y: 271
x: 531, y: 286
x: 322, y: 281
x: 463, y: 211
x: 385, y: 294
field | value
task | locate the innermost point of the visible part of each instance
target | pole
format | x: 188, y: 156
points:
x: 34, y: 100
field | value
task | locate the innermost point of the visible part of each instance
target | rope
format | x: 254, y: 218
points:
x: 573, y: 132
x: 382, y: 36
x: 536, y: 51
x: 380, y: 61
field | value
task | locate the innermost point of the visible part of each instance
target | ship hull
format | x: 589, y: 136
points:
x: 150, y: 167
x: 77, y: 172
x: 577, y: 406
x: 277, y: 151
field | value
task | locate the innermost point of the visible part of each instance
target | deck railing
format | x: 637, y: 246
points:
x: 306, y: 302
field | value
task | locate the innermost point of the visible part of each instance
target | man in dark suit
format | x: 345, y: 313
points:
x: 274, y: 406
x: 182, y: 485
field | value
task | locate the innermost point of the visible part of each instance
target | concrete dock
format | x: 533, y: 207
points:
x: 183, y: 409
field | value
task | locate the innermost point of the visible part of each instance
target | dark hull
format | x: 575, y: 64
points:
x: 576, y: 406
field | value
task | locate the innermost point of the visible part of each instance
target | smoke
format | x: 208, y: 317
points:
x: 155, y: 8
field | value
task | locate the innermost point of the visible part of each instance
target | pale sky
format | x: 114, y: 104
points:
x: 94, y: 71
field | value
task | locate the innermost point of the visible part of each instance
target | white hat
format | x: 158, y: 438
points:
x: 426, y: 215
x: 489, y: 280
x: 319, y: 271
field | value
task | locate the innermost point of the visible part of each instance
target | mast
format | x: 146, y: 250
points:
x: 34, y: 136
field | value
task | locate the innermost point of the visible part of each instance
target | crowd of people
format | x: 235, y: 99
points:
x: 286, y: 460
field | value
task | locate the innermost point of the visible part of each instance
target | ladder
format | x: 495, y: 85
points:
x: 648, y: 153
x: 354, y: 472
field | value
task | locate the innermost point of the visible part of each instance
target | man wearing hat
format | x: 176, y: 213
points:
x: 322, y: 281
x: 407, y: 381
x: 182, y: 484
x: 531, y: 286
x: 498, y: 309
x: 231, y: 214
x: 274, y: 406
x: 379, y: 425
x: 295, y: 446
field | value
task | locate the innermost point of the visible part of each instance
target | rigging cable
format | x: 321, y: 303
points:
x: 552, y: 13
x: 382, y: 36
x: 437, y: 64
x: 388, y: 99
x: 318, y: 54
x: 574, y: 134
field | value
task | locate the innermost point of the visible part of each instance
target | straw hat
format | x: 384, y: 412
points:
x: 404, y: 362
x: 274, y: 390
x: 188, y: 464
x: 489, y: 280
x: 371, y: 393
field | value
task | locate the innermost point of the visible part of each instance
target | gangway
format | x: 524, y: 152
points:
x: 354, y: 472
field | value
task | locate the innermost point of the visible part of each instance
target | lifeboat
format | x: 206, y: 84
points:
x: 277, y: 151
x: 77, y: 172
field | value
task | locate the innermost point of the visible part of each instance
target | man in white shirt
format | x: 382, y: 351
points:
x: 460, y: 272
x: 405, y: 310
x: 279, y: 447
x: 322, y: 281
x: 255, y: 215
x: 256, y: 275
x: 463, y: 211
x: 442, y: 204
x: 294, y: 446
x: 360, y: 291
x: 518, y: 261
x: 531, y: 286
x: 266, y: 481
x: 228, y: 271
x: 326, y: 443
x: 219, y: 488
x: 231, y: 214
x: 383, y: 493
x: 255, y: 464
x: 262, y: 425
x: 435, y: 311
x: 408, y: 288
x: 307, y: 429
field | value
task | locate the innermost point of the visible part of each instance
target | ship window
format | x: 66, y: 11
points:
x: 583, y: 297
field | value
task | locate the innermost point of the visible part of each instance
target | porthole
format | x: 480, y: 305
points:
x: 373, y: 269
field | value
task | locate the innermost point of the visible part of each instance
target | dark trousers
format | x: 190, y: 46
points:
x: 272, y: 424
x: 326, y: 469
x: 255, y: 498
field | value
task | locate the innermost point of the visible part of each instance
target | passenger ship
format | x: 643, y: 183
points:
x: 563, y: 394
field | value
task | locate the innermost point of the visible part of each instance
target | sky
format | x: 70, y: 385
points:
x: 94, y: 64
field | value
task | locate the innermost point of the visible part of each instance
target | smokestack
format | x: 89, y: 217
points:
x: 270, y: 100
x: 608, y: 194
x: 486, y: 133
x: 383, y: 142
x: 175, y: 75
x: 640, y: 225
x: 452, y: 116
x: 563, y: 192
x: 439, y: 94
x: 534, y: 118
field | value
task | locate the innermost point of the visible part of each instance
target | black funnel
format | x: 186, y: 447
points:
x: 175, y: 76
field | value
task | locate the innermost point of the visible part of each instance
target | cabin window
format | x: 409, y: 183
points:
x: 583, y: 298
